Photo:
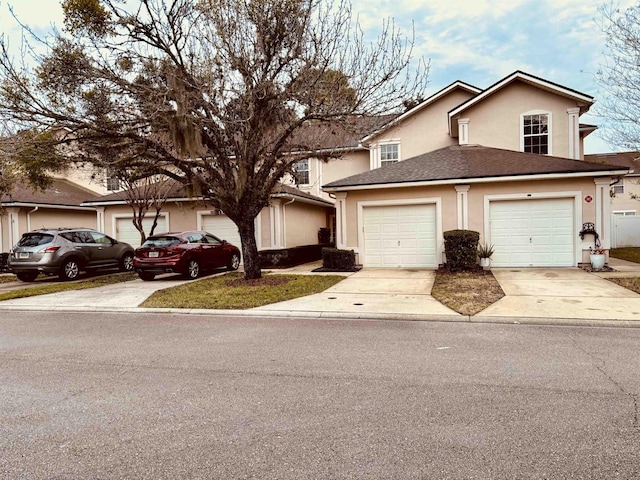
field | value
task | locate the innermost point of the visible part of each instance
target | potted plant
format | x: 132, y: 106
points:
x: 484, y: 253
x: 597, y: 257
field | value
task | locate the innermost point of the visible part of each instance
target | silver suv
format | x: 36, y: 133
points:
x: 67, y: 251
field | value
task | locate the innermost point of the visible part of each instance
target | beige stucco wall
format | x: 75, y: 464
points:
x: 302, y: 222
x: 495, y: 122
x: 28, y: 220
x: 425, y: 131
x: 182, y: 215
x: 476, y: 203
x: 623, y: 201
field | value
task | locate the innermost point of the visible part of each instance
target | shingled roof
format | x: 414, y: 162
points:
x: 60, y: 192
x: 628, y: 159
x: 468, y: 162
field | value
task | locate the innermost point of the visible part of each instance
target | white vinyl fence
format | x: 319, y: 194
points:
x: 625, y: 231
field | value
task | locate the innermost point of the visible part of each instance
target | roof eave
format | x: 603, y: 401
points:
x: 453, y: 181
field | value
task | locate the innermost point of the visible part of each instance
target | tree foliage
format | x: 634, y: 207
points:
x: 215, y: 94
x: 619, y: 77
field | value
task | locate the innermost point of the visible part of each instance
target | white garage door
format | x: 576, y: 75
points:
x: 533, y: 233
x: 222, y: 227
x: 400, y: 236
x: 127, y: 232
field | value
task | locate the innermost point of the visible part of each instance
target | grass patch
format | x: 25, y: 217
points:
x: 632, y: 254
x: 466, y: 292
x: 93, y: 282
x: 231, y: 292
x: 8, y: 278
x: 631, y: 283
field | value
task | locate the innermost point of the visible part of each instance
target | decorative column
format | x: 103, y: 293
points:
x: 341, y: 219
x: 603, y: 210
x: 13, y: 226
x: 463, y: 131
x: 275, y: 212
x: 100, y: 220
x: 574, y: 133
x: 463, y: 206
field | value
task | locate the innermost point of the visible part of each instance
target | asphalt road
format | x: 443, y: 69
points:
x: 152, y: 396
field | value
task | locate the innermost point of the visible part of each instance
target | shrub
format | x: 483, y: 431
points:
x: 336, y: 259
x: 324, y: 236
x: 289, y: 257
x: 461, y: 249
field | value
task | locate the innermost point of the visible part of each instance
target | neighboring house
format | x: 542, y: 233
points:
x: 292, y: 218
x: 510, y: 166
x: 59, y: 205
x: 625, y: 194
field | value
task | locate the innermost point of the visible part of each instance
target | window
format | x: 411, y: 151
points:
x: 389, y: 154
x: 113, y: 183
x: 302, y: 172
x: 535, y: 133
x: 625, y: 213
x: 617, y: 188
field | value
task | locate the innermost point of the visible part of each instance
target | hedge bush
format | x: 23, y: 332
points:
x: 289, y: 257
x: 336, y: 259
x: 461, y: 249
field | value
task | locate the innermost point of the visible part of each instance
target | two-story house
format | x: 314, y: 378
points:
x: 506, y: 161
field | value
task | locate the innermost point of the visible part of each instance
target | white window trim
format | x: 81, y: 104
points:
x: 308, y: 170
x: 619, y: 183
x: 437, y: 201
x: 577, y: 214
x: 549, y: 125
x: 375, y: 156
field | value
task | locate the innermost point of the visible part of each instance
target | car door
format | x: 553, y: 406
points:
x: 215, y: 251
x: 102, y: 250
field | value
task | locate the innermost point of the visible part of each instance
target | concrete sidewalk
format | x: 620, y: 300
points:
x: 559, y: 296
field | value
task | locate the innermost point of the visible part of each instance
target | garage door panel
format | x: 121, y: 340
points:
x: 405, y: 237
x: 538, y: 232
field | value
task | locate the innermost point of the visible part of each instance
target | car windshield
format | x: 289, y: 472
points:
x: 161, y: 242
x: 35, y: 239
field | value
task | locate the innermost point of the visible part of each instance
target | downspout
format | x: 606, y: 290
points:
x: 29, y: 217
x: 284, y: 221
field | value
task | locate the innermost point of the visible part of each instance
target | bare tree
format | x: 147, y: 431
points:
x: 619, y: 76
x: 144, y: 195
x: 215, y: 94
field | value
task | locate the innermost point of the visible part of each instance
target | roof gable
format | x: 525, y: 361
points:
x: 585, y: 101
x: 457, y: 85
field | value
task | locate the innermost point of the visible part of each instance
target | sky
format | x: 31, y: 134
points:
x: 476, y: 41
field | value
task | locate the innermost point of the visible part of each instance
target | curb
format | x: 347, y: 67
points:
x: 480, y: 319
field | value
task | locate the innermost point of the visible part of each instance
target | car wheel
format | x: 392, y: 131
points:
x: 126, y: 262
x: 234, y: 262
x: 27, y: 276
x: 69, y: 270
x: 146, y: 276
x: 193, y: 269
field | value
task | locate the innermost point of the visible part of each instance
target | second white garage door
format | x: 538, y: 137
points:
x: 400, y: 236
x: 533, y: 233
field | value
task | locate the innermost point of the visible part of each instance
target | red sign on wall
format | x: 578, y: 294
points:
x: 588, y: 199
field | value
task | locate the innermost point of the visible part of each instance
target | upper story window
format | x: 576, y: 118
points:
x: 535, y: 133
x: 302, y: 172
x: 113, y: 183
x: 617, y: 188
x: 389, y: 153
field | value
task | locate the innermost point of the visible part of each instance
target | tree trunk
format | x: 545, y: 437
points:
x: 247, y: 231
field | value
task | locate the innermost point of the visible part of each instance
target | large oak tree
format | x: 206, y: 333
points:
x: 217, y: 94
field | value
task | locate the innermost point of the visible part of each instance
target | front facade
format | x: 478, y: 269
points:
x: 510, y: 166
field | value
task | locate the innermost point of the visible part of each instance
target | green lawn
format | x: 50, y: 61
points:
x: 230, y: 291
x: 631, y: 254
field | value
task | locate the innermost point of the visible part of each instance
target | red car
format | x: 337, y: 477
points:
x: 188, y: 253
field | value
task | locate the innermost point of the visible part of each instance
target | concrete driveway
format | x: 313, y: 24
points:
x: 393, y: 293
x: 566, y: 293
